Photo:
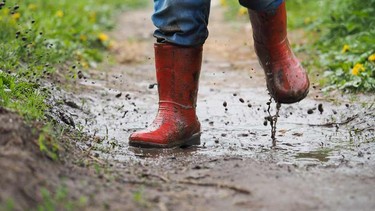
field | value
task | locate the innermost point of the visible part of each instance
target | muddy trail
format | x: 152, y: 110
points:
x: 324, y: 158
x: 112, y: 101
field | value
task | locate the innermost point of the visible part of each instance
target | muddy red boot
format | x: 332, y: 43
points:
x: 287, y: 81
x: 176, y: 123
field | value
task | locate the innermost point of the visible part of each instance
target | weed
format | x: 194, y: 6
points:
x: 47, y: 143
x: 59, y: 200
x: 50, y: 201
x: 138, y: 197
x: 8, y: 205
x: 97, y: 168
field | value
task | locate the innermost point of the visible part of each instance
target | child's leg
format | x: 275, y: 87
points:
x: 181, y: 22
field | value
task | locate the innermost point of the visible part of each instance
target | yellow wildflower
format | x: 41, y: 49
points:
x: 32, y: 6
x: 371, y: 58
x: 223, y: 2
x: 92, y: 17
x: 357, y: 68
x: 83, y: 37
x: 85, y: 64
x: 111, y: 44
x: 242, y: 11
x: 16, y: 16
x: 308, y: 20
x: 79, y: 55
x: 60, y: 13
x: 103, y: 37
x: 345, y: 48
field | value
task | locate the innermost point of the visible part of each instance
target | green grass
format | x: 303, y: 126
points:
x: 7, y: 205
x: 59, y: 200
x: 37, y: 36
x: 342, y: 34
x: 22, y: 96
x: 51, y: 200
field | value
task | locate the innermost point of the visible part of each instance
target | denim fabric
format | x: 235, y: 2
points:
x: 181, y: 22
x: 184, y: 22
x: 261, y: 5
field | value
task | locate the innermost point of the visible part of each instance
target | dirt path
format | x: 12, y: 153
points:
x: 324, y: 161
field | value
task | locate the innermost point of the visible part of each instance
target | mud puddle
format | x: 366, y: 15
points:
x: 342, y: 132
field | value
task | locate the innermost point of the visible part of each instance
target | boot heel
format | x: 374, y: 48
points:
x: 194, y: 140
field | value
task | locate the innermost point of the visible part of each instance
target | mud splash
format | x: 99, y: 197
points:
x: 272, y: 119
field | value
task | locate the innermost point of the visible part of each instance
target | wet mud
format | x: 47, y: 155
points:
x: 321, y: 155
x: 339, y: 133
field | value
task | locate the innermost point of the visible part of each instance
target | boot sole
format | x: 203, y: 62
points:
x: 193, y: 140
x: 293, y: 100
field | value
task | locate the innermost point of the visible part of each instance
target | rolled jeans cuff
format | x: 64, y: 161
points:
x: 181, y: 22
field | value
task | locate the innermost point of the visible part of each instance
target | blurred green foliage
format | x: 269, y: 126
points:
x: 341, y: 36
x: 233, y: 10
x: 37, y: 36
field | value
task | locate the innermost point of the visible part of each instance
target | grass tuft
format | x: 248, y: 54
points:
x: 37, y: 36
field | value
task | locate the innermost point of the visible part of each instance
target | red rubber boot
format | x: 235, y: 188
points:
x: 176, y: 124
x: 287, y: 81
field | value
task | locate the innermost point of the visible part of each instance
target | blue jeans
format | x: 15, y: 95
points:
x: 184, y: 22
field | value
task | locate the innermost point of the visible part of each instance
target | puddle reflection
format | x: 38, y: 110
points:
x: 322, y: 156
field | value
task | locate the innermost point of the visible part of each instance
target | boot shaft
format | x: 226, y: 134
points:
x: 177, y: 72
x: 287, y: 81
x: 270, y: 27
x: 176, y: 124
